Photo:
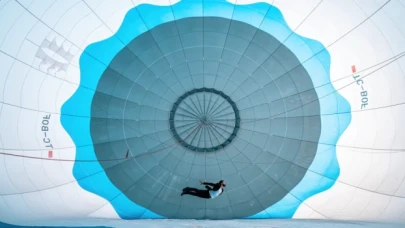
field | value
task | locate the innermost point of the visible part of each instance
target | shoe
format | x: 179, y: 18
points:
x: 182, y: 193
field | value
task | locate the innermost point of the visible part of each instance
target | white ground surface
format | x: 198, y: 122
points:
x: 278, y: 223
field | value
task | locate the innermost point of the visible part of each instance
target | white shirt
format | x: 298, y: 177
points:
x: 214, y: 194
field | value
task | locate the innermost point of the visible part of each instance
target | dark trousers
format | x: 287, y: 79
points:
x: 197, y: 192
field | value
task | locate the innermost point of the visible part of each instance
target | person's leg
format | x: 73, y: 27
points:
x: 188, y: 189
x: 199, y: 193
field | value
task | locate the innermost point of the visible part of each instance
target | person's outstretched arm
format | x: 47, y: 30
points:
x: 207, y: 183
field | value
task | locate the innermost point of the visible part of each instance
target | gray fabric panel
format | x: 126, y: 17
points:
x: 266, y: 159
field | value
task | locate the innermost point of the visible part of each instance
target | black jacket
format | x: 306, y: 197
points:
x: 215, y: 187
